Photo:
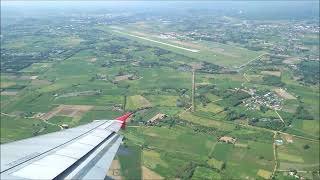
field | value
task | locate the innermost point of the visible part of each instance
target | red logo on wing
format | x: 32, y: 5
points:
x: 123, y: 119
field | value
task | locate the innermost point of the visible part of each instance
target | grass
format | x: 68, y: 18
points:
x: 37, y: 68
x: 165, y: 150
x: 130, y: 162
x: 165, y: 78
x: 6, y: 84
x: 259, y: 149
x: 30, y: 101
x: 221, y: 151
x: 99, y: 115
x: 288, y: 157
x: 71, y: 41
x: 308, y: 96
x: 205, y: 173
x: 137, y: 102
x: 213, y: 163
x: 168, y: 149
x: 163, y: 100
x: 206, y: 122
x: 152, y: 159
x: 231, y: 57
x: 308, y: 127
x: 265, y: 174
x: 210, y: 107
x: 61, y: 120
x: 244, y: 162
x: 294, y: 155
x: 16, y: 128
x: 96, y: 100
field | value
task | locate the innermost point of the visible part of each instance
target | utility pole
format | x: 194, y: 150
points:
x: 193, y: 89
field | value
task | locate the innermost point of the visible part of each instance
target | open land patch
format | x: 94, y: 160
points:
x: 213, y: 163
x: 40, y: 82
x: 222, y: 51
x: 205, y: 122
x: 205, y: 173
x: 311, y: 126
x: 9, y: 93
x: 300, y: 154
x: 298, y: 166
x: 147, y: 174
x: 137, y: 101
x: 210, y: 107
x: 122, y: 77
x: 93, y: 60
x: 163, y: 100
x: 284, y: 94
x: 272, y: 73
x: 241, y: 145
x: 193, y: 45
x: 37, y: 68
x: 7, y: 84
x: 67, y: 110
x: 152, y: 158
x: 15, y: 128
x: 264, y: 173
x: 291, y: 60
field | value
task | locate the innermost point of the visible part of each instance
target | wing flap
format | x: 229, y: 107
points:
x: 47, y: 168
x: 66, y: 156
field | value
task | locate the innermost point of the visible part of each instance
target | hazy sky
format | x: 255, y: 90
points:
x: 295, y: 9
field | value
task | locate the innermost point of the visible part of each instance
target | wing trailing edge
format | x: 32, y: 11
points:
x: 83, y: 152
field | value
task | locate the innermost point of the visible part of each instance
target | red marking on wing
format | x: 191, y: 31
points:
x: 123, y: 119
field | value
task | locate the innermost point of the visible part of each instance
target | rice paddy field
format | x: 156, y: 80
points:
x: 184, y: 144
x: 296, y: 156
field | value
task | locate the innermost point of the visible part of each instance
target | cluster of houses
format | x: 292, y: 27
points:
x: 228, y: 139
x: 269, y: 99
x: 125, y: 77
x: 156, y: 118
x: 294, y: 173
x: 287, y: 138
x: 173, y: 35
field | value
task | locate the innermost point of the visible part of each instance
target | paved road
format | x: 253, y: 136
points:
x: 280, y: 117
x: 256, y: 58
x: 274, y: 155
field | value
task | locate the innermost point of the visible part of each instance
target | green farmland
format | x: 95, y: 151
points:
x: 253, y: 89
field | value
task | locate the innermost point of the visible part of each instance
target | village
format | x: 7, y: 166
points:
x: 268, y: 99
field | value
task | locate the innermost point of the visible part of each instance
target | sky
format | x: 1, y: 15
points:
x: 264, y: 9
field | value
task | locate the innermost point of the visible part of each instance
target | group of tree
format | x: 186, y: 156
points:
x: 232, y: 98
x: 275, y: 124
x: 209, y: 68
x: 233, y: 115
x: 303, y: 113
x: 310, y: 70
x: 273, y: 81
x: 187, y: 171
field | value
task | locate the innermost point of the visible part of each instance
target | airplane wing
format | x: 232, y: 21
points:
x: 83, y: 152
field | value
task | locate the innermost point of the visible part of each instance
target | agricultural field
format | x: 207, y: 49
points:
x: 16, y: 128
x: 299, y: 154
x: 72, y: 71
x: 205, y: 173
x: 136, y: 102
